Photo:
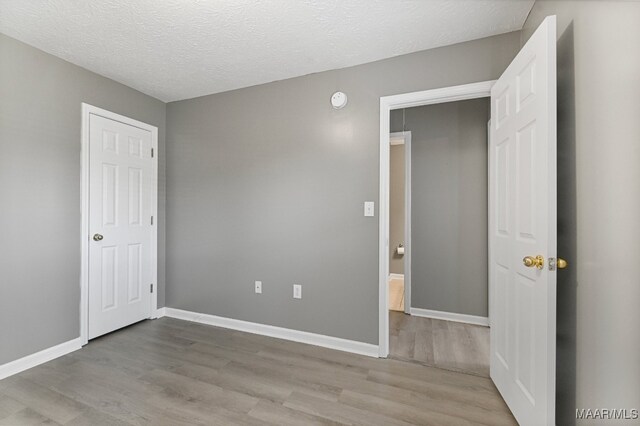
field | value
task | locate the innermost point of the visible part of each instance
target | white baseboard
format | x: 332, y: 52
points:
x: 277, y: 332
x: 450, y: 316
x: 45, y: 355
x: 160, y: 312
x: 396, y: 276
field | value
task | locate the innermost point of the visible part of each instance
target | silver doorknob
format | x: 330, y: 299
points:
x: 97, y: 237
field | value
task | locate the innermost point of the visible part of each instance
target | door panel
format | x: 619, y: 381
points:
x: 120, y: 208
x: 134, y: 278
x: 109, y: 277
x: 522, y: 202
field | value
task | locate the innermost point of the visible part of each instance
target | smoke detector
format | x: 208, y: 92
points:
x: 338, y: 100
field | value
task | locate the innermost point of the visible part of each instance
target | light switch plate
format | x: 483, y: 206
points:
x: 259, y: 287
x: 369, y: 208
x: 297, y: 291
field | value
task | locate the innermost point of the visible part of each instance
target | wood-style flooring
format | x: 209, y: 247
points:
x: 443, y: 344
x: 172, y: 372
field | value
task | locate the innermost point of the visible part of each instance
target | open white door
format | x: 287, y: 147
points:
x: 522, y: 229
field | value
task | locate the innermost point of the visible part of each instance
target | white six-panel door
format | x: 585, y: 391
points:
x: 522, y: 200
x: 121, y: 193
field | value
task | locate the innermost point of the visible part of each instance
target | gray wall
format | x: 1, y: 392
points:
x: 268, y: 183
x: 598, y: 341
x: 396, y: 207
x: 448, y: 205
x: 40, y: 97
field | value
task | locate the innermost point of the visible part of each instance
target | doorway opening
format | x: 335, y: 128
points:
x: 444, y: 324
x: 434, y: 310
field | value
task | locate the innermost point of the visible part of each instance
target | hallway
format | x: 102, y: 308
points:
x: 444, y: 344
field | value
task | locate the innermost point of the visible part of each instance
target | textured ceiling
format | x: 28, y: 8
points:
x: 179, y: 49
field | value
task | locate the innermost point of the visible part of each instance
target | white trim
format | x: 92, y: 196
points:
x: 160, y: 312
x: 450, y: 316
x: 337, y: 343
x: 489, y: 220
x: 388, y: 103
x: 45, y: 355
x: 87, y: 110
x: 438, y: 96
x: 393, y: 276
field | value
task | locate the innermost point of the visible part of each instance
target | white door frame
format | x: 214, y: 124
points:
x: 387, y: 104
x: 489, y: 245
x: 87, y: 111
x: 404, y: 138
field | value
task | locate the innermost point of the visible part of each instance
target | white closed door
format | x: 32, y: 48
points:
x: 121, y: 184
x: 522, y: 230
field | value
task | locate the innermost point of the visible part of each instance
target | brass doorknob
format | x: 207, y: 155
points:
x: 530, y: 261
x: 97, y: 237
x: 562, y: 263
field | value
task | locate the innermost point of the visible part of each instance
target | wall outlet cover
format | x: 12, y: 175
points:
x: 369, y: 208
x: 297, y: 291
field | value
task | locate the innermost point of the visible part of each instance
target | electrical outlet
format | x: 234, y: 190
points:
x: 369, y: 208
x: 297, y: 291
x: 259, y: 287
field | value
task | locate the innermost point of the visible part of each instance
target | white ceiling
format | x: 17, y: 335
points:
x: 179, y: 49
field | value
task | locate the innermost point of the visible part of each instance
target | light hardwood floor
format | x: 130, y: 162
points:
x: 172, y: 372
x: 443, y: 344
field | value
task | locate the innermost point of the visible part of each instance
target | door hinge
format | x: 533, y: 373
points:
x: 151, y: 288
x: 152, y: 220
x: 151, y: 152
